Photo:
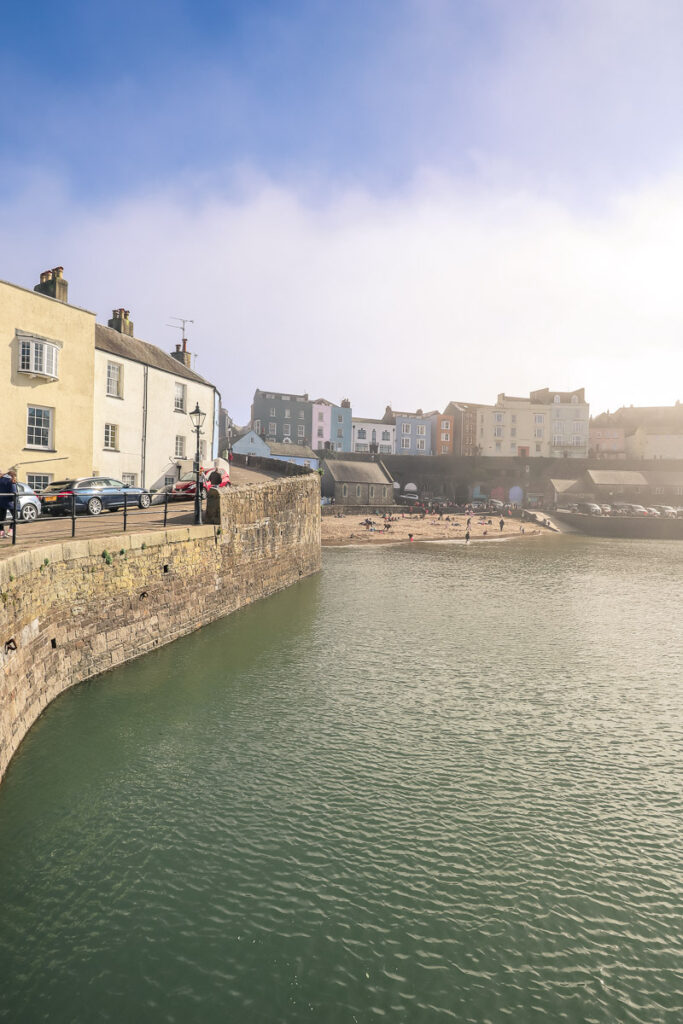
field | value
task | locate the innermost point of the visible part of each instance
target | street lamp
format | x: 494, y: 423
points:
x: 197, y: 417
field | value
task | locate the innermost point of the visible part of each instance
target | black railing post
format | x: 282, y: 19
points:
x: 16, y: 518
x: 73, y: 514
x: 165, y: 507
x: 125, y: 512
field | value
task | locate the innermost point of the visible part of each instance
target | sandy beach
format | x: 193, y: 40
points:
x: 349, y: 529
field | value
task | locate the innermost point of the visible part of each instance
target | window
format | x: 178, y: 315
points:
x: 287, y: 429
x: 514, y: 418
x: 301, y: 414
x: 39, y: 427
x: 288, y: 414
x: 557, y: 399
x: 513, y: 431
x: 405, y: 442
x: 180, y: 395
x: 420, y: 444
x: 362, y: 447
x: 499, y: 417
x: 538, y: 447
x: 169, y: 481
x: 38, y: 357
x: 405, y: 428
x: 421, y: 430
x: 385, y: 449
x: 358, y: 490
x: 257, y: 426
x: 340, y: 433
x: 272, y: 428
x: 539, y: 418
x: 538, y: 432
x: 498, y: 446
x: 445, y: 425
x: 577, y: 441
x: 111, y: 436
x: 578, y: 427
x: 558, y: 440
x: 128, y: 479
x: 320, y: 431
x: 320, y: 416
x: 114, y: 380
x: 272, y: 411
x: 285, y: 398
x: 301, y: 431
x: 513, y: 445
x: 445, y: 435
x: 444, y: 449
x: 497, y: 431
x: 38, y: 481
x: 386, y: 436
x: 362, y: 433
x: 345, y: 491
x: 179, y: 447
x: 270, y: 396
x: 372, y: 491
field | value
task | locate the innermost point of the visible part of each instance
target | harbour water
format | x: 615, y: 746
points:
x: 432, y: 783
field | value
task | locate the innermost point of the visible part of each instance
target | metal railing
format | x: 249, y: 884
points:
x: 129, y: 507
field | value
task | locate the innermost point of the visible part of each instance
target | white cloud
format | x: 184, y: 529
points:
x: 442, y: 292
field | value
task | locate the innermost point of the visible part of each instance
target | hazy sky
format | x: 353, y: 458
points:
x: 406, y: 201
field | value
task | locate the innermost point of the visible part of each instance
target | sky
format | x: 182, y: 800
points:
x: 402, y: 202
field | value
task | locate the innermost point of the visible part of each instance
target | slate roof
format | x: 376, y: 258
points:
x: 663, y: 419
x: 617, y: 477
x: 109, y: 340
x: 294, y: 451
x: 343, y: 472
x: 563, y: 485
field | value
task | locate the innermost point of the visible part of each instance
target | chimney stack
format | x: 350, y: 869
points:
x: 121, y: 322
x: 52, y: 283
x: 182, y: 355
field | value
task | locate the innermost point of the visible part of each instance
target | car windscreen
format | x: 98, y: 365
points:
x: 59, y: 485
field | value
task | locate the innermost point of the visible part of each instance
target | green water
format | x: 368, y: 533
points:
x: 432, y: 783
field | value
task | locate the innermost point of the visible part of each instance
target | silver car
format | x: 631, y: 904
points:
x: 29, y: 503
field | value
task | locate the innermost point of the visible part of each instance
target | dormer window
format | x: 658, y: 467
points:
x: 557, y: 399
x: 38, y: 356
x: 575, y: 399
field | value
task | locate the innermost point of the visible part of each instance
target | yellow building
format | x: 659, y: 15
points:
x: 47, y: 358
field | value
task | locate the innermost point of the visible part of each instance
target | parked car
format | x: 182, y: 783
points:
x: 28, y: 503
x: 668, y: 511
x: 606, y: 509
x: 652, y: 511
x: 185, y: 487
x: 589, y: 508
x: 93, y: 495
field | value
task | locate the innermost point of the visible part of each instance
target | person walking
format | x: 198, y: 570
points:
x: 8, y: 488
x: 501, y: 524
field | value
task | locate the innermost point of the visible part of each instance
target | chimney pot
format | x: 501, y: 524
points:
x: 52, y: 283
x: 177, y: 348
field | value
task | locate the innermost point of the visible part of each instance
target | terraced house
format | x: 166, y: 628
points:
x: 282, y: 418
x: 547, y: 423
x: 81, y: 399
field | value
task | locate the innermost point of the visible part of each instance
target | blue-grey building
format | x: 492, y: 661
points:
x: 413, y: 432
x: 282, y: 418
x: 340, y: 438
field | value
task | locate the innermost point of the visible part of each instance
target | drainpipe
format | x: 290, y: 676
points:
x: 143, y: 454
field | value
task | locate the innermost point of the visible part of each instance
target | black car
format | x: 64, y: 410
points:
x: 93, y: 495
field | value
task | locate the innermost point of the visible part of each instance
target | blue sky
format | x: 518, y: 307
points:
x: 309, y: 148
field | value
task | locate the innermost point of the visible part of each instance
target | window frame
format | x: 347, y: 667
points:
x: 119, y: 379
x: 111, y: 437
x: 49, y: 446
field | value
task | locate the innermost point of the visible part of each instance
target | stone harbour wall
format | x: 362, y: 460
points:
x: 73, y: 610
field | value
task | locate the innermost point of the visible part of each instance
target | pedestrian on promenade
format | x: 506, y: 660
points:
x: 502, y: 524
x: 8, y: 488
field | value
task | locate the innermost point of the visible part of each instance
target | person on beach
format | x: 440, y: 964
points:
x: 502, y: 524
x: 8, y: 488
x: 469, y: 522
x: 467, y: 535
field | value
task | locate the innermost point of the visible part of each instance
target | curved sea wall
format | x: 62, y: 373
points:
x: 73, y: 610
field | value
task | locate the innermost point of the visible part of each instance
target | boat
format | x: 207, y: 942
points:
x: 633, y: 527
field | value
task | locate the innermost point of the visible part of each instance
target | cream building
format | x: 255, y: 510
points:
x: 551, y: 424
x: 141, y: 427
x: 81, y: 399
x: 47, y: 360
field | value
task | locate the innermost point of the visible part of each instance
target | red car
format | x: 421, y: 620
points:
x: 186, y: 485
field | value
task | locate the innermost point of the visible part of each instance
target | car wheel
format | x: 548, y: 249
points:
x: 145, y: 501
x: 29, y: 513
x: 94, y: 506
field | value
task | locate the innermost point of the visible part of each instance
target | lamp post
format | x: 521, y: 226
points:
x: 197, y: 417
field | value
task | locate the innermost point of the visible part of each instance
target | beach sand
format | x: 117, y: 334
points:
x: 348, y: 530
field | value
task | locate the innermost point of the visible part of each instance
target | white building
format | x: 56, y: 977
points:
x: 142, y: 430
x: 372, y: 436
x: 548, y: 423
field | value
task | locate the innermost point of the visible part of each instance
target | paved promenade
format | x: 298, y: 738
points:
x: 53, y: 530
